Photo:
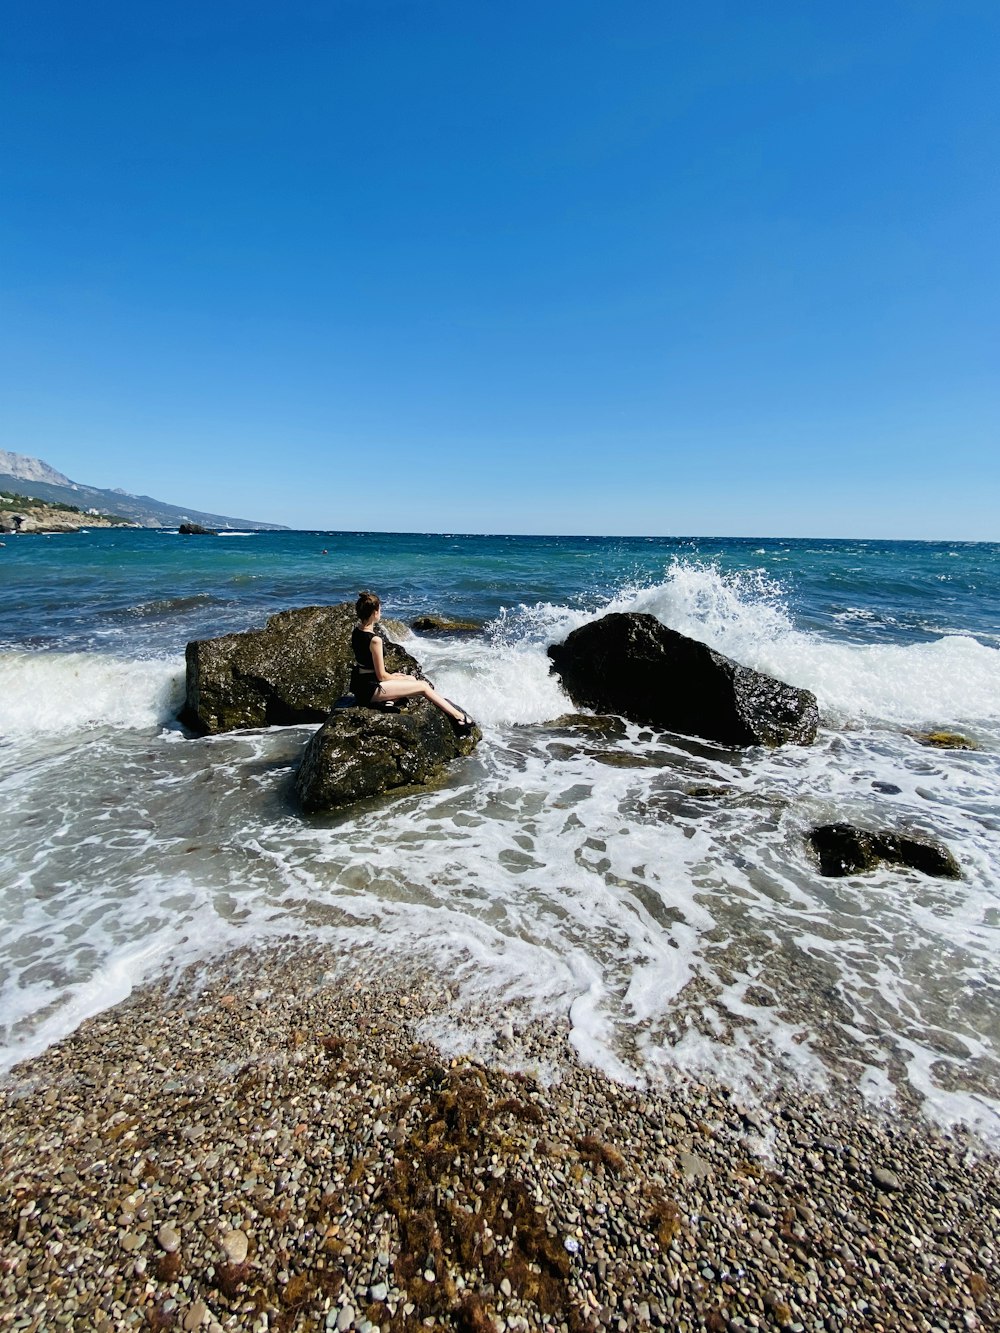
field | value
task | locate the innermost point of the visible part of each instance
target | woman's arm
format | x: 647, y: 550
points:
x: 378, y: 662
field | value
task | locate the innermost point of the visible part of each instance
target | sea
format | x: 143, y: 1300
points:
x: 654, y: 891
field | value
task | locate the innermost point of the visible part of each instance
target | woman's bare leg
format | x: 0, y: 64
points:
x: 411, y: 687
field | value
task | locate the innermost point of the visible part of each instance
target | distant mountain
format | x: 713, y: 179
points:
x: 45, y: 483
x: 30, y: 469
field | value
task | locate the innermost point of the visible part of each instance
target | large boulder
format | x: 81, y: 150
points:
x: 633, y: 665
x: 362, y: 752
x: 293, y: 670
x: 845, y: 850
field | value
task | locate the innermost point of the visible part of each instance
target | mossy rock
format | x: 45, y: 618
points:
x: 362, y: 752
x: 395, y: 629
x: 434, y: 624
x: 601, y: 724
x: 945, y: 740
x: 293, y: 670
x: 621, y: 759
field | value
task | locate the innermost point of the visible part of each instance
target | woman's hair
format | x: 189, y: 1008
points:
x: 366, y: 605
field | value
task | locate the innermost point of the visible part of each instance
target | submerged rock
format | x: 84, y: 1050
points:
x: 632, y: 664
x: 599, y: 724
x: 945, y: 740
x: 395, y: 629
x: 292, y: 670
x: 845, y: 850
x: 444, y: 625
x: 362, y: 752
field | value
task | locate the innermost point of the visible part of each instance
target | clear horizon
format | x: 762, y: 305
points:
x: 577, y: 270
x: 600, y: 536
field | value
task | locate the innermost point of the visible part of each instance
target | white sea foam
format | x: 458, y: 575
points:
x: 950, y: 680
x: 499, y: 680
x: 64, y: 1009
x: 743, y: 615
x: 563, y: 870
x: 63, y: 692
x: 93, y: 953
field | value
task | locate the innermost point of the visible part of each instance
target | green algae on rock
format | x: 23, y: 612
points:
x: 945, y: 740
x: 434, y: 624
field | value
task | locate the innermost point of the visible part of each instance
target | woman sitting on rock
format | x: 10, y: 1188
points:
x: 371, y: 684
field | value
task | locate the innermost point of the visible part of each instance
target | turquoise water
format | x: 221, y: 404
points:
x: 656, y: 889
x: 91, y: 591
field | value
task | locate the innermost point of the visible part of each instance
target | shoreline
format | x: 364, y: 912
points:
x: 46, y: 520
x: 265, y: 1144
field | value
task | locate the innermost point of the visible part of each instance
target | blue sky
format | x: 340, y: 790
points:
x: 552, y: 267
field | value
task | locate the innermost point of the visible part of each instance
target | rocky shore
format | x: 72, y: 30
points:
x: 271, y: 1145
x: 42, y: 519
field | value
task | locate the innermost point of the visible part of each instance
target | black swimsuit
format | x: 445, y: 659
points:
x: 364, y: 683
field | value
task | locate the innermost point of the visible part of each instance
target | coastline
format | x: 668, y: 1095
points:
x: 267, y: 1144
x: 44, y: 520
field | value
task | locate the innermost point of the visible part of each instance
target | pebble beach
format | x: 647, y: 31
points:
x: 628, y: 956
x: 272, y: 1143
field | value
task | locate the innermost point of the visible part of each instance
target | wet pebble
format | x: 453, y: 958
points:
x: 886, y: 1179
x: 236, y: 1246
x: 168, y: 1239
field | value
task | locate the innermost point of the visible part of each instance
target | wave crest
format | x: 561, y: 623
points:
x: 745, y: 615
x: 60, y: 692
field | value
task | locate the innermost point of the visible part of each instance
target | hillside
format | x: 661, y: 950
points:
x: 22, y: 513
x: 31, y: 476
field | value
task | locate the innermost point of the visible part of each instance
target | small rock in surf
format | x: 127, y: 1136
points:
x: 844, y: 849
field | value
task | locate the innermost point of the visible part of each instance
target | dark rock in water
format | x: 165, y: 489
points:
x: 443, y: 625
x: 292, y: 670
x: 362, y: 752
x: 195, y: 530
x: 633, y: 665
x: 886, y: 788
x: 845, y: 850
